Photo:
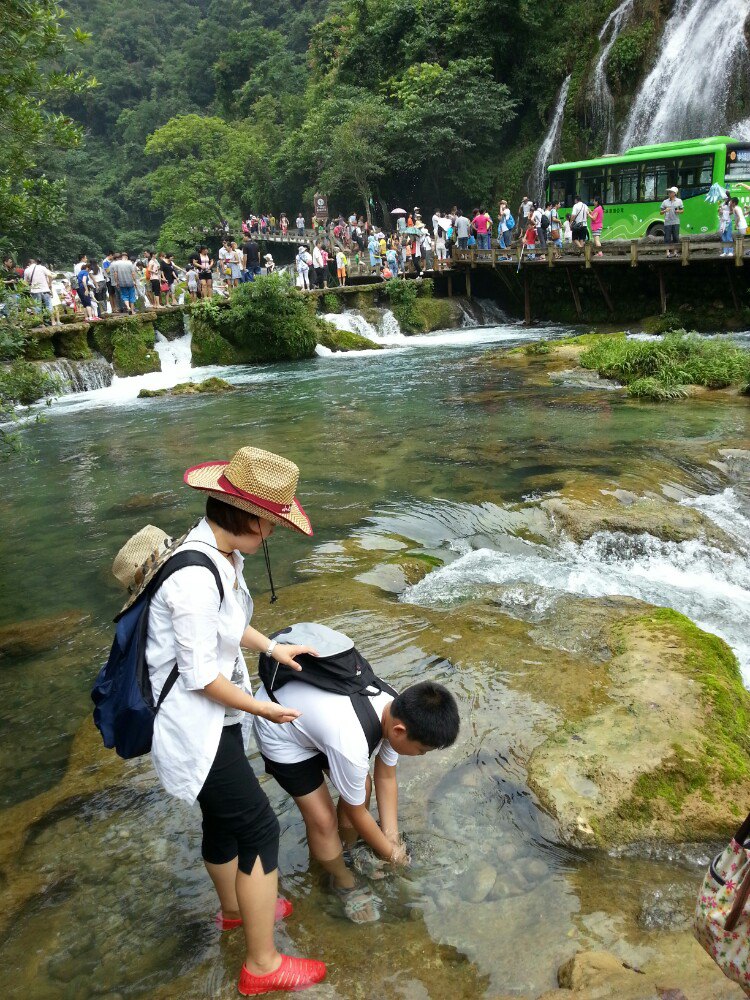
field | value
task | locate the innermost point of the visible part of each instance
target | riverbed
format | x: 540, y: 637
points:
x: 421, y: 451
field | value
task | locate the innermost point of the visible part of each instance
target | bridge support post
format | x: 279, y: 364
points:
x: 662, y: 291
x: 605, y: 293
x: 450, y: 286
x: 739, y: 251
x: 574, y: 293
x: 468, y: 284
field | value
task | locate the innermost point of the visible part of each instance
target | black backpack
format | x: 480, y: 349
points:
x: 340, y: 669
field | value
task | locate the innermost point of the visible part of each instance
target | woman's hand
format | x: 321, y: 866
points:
x: 399, y: 856
x: 275, y: 713
x: 284, y: 653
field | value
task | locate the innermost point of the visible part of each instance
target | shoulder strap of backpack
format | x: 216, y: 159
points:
x: 365, y: 711
x: 177, y: 562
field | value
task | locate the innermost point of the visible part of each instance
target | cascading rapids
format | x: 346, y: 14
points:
x: 710, y: 586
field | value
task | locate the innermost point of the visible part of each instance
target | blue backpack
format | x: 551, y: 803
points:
x: 124, y: 711
x: 510, y: 222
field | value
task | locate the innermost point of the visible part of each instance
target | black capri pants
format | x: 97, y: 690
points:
x: 238, y: 821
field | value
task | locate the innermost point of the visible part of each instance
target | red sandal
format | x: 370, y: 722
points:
x: 283, y: 910
x: 293, y: 974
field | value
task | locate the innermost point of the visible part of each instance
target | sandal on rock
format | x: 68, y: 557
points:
x: 293, y: 974
x: 283, y: 910
x: 357, y: 901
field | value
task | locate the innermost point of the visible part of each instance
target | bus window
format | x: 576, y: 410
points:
x: 561, y: 187
x: 622, y: 183
x: 694, y: 175
x: 656, y: 178
x: 591, y: 184
x: 738, y: 164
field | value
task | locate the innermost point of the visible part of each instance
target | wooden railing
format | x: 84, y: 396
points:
x: 615, y: 252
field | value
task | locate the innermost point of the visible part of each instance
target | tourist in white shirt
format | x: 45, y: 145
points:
x: 199, y: 744
x: 39, y: 280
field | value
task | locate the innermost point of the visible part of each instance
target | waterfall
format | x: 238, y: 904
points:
x: 80, y: 376
x: 741, y: 130
x: 549, y: 147
x: 702, y: 52
x: 175, y: 355
x: 601, y: 96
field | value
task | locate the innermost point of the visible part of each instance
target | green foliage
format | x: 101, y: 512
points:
x: 537, y: 347
x: 266, y: 320
x: 628, y: 55
x: 32, y: 37
x: 21, y: 384
x: 133, y: 351
x: 403, y: 298
x: 661, y: 369
x: 331, y: 303
x: 665, y: 323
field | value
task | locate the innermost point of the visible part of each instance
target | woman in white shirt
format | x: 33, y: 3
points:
x: 198, y: 744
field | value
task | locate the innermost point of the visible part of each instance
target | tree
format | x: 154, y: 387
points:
x: 32, y: 37
x: 208, y: 171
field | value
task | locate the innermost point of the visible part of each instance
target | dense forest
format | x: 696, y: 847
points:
x: 203, y: 110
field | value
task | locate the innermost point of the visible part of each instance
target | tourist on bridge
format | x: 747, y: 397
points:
x: 39, y: 280
x: 124, y: 279
x: 672, y: 208
x: 284, y: 224
x: 597, y: 224
x: 318, y: 266
x: 579, y: 215
x: 482, y: 226
x: 206, y: 272
x: 341, y: 263
x: 191, y: 276
x: 250, y: 259
x: 463, y: 229
x: 153, y: 280
x: 739, y: 221
x: 302, y: 262
x: 300, y: 225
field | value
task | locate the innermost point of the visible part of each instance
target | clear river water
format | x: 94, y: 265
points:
x: 421, y: 453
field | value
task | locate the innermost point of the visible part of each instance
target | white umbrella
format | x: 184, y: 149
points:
x: 444, y: 223
x: 399, y: 211
x: 716, y: 194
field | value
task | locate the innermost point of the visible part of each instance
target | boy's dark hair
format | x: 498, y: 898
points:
x: 430, y: 714
x: 228, y: 517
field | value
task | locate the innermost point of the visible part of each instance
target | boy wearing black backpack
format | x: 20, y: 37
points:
x: 347, y: 716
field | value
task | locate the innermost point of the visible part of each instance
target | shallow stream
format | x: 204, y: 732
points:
x: 425, y: 450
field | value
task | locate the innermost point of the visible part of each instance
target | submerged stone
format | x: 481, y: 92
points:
x: 34, y: 636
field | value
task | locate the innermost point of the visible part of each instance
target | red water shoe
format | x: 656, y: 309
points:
x: 283, y: 910
x: 293, y: 974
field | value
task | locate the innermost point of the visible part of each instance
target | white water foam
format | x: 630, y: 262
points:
x: 710, y: 586
x: 550, y: 145
x: 601, y: 96
x: 175, y: 355
x: 702, y: 51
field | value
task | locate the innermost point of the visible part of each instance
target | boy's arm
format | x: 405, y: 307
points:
x: 364, y: 823
x: 386, y: 795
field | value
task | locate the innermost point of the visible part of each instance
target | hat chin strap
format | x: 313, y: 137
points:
x: 274, y: 597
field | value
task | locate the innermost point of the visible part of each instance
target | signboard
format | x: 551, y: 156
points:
x: 320, y: 206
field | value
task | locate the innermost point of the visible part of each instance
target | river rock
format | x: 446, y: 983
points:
x: 669, y: 522
x: 664, y: 752
x: 36, y: 635
x: 209, y: 385
x: 478, y: 882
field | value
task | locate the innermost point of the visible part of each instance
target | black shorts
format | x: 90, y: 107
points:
x: 155, y: 287
x: 205, y: 275
x: 238, y: 821
x: 580, y: 232
x: 301, y: 778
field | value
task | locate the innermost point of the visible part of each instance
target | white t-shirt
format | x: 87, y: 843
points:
x: 579, y: 214
x: 328, y: 725
x: 740, y: 221
x: 38, y: 278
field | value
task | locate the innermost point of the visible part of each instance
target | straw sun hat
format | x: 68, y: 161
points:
x: 139, y: 555
x: 256, y: 481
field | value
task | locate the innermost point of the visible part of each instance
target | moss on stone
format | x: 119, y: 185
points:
x: 207, y: 386
x: 209, y: 347
x: 344, y: 340
x: 133, y: 351
x: 73, y: 343
x: 101, y: 335
x: 330, y: 303
x: 39, y: 347
x: 170, y: 322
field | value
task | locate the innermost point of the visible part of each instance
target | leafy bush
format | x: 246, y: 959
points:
x: 628, y: 54
x: 537, y: 347
x: 652, y: 388
x: 331, y: 303
x: 677, y: 360
x: 266, y: 319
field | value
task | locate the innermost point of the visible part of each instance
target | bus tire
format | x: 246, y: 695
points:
x: 657, y: 230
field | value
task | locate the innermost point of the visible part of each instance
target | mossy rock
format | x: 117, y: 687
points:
x: 101, y: 336
x: 209, y: 385
x: 667, y: 755
x: 170, y: 322
x: 330, y: 303
x: 133, y: 351
x: 34, y: 636
x: 344, y: 340
x: 210, y: 348
x: 40, y: 346
x: 73, y: 342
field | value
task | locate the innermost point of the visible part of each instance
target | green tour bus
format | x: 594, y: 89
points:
x: 632, y: 185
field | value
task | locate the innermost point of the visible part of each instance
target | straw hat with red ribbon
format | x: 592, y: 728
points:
x: 256, y: 481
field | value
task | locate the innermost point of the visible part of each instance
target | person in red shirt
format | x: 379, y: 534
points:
x: 529, y: 239
x: 482, y: 226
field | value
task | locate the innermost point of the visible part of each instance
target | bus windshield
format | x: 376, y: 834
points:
x: 738, y: 164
